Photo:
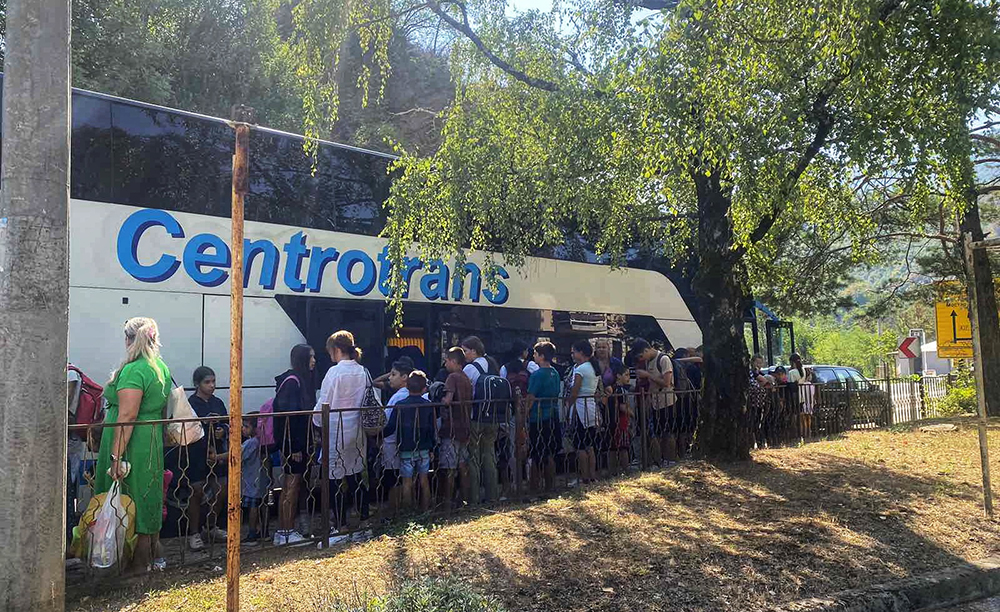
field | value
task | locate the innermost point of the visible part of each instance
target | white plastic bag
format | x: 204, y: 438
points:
x: 178, y: 407
x: 107, y: 532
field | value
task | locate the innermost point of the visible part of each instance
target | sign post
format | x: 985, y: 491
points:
x: 977, y: 351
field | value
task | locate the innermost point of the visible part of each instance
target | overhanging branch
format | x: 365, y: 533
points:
x: 466, y: 30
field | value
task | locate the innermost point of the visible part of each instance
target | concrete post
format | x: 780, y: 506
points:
x: 34, y: 304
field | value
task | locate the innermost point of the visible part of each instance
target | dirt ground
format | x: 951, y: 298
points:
x: 796, y: 522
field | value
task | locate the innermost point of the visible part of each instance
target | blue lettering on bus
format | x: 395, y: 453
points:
x: 206, y: 259
x: 317, y: 263
x: 475, y: 283
x: 434, y: 284
x: 296, y: 249
x: 268, y: 270
x: 345, y: 267
x: 500, y: 297
x: 384, y: 268
x: 196, y: 255
x: 128, y: 245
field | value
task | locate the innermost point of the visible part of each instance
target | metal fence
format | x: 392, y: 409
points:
x: 322, y: 477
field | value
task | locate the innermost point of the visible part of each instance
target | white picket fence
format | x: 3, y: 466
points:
x: 913, y: 400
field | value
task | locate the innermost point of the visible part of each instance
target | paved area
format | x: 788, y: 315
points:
x: 986, y: 605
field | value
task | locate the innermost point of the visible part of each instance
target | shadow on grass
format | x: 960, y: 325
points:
x: 697, y: 537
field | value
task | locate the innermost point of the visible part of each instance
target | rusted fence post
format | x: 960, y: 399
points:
x: 324, y: 489
x: 242, y: 116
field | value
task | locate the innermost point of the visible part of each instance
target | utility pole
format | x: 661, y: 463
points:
x: 34, y: 305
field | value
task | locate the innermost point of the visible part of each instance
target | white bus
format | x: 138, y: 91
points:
x: 149, y: 233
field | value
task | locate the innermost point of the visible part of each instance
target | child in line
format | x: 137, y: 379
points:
x: 397, y: 378
x: 456, y: 426
x: 413, y: 419
x: 619, y: 415
x: 251, y: 479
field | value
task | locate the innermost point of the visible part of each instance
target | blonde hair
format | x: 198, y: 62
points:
x: 344, y: 341
x: 143, y: 338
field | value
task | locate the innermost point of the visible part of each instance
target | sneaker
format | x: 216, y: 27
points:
x: 195, y: 542
x: 336, y: 539
x: 280, y: 538
x: 159, y: 564
x: 295, y: 538
x: 218, y: 534
x: 361, y: 536
x: 252, y: 539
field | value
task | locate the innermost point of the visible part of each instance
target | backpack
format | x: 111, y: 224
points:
x: 90, y: 407
x: 491, y: 397
x: 681, y: 380
x: 436, y: 392
x: 265, y: 424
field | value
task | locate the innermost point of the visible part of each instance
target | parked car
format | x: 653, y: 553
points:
x: 845, y: 399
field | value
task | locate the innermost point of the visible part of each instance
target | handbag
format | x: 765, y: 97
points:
x: 372, y: 413
x: 178, y: 407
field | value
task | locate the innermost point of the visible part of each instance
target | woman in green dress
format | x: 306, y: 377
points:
x: 137, y: 392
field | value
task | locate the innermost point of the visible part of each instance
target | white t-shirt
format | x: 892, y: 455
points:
x: 473, y: 373
x: 586, y: 404
x: 390, y: 452
x: 344, y: 387
x: 531, y: 366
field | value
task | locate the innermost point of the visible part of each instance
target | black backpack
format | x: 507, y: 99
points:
x: 492, y: 396
x: 681, y: 380
x: 436, y: 392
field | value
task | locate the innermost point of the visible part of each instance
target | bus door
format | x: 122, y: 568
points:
x: 324, y: 316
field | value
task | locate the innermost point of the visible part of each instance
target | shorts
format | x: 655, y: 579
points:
x: 545, y: 439
x: 414, y: 462
x: 251, y: 502
x: 453, y: 454
x: 584, y: 437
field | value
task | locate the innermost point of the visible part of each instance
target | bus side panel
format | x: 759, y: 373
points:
x: 97, y: 316
x: 268, y: 338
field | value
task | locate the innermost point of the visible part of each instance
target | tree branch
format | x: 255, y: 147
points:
x: 987, y: 139
x: 653, y: 5
x: 824, y: 124
x: 466, y: 30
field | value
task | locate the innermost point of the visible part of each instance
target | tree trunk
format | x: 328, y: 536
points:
x: 34, y: 299
x: 989, y: 321
x: 724, y: 424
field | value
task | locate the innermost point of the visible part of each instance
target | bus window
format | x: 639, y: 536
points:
x: 171, y: 161
x: 91, y: 167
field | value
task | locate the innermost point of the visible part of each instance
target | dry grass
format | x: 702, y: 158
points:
x: 796, y: 522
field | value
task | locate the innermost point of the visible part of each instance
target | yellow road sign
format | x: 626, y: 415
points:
x: 954, y: 331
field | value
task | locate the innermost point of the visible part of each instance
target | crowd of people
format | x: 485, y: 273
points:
x: 463, y: 436
x: 782, y: 402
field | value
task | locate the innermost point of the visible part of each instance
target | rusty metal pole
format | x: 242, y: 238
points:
x: 324, y: 489
x: 977, y: 354
x: 242, y: 117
